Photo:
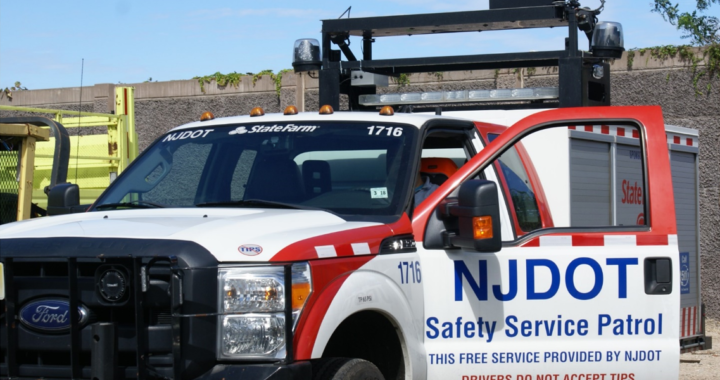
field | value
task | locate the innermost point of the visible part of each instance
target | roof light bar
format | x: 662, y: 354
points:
x: 465, y: 96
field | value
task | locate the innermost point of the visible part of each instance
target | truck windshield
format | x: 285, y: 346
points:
x: 357, y: 170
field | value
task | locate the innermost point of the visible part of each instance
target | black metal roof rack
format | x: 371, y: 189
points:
x: 583, y: 76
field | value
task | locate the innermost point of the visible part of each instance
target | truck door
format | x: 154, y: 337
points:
x: 593, y: 295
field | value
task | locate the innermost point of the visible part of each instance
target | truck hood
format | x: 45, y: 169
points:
x: 229, y: 234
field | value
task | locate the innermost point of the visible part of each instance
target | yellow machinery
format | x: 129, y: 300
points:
x: 95, y: 159
x: 18, y: 149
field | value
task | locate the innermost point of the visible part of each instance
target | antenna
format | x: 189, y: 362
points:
x: 346, y: 11
x: 77, y: 146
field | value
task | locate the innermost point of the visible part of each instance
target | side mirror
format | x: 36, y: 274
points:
x: 478, y: 214
x: 64, y: 198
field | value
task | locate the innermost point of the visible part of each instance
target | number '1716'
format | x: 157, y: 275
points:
x: 409, y: 272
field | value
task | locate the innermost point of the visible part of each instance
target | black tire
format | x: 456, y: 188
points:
x: 345, y: 369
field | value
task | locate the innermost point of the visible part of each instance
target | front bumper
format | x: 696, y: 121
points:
x: 298, y: 370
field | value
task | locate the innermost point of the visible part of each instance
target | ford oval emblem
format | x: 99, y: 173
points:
x: 250, y: 249
x: 50, y: 315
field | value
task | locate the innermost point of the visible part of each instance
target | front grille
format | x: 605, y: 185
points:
x: 140, y: 318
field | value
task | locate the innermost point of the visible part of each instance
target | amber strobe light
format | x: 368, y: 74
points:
x: 207, y: 116
x: 387, y: 111
x: 482, y: 227
x: 290, y: 110
x: 257, y: 111
x: 326, y: 110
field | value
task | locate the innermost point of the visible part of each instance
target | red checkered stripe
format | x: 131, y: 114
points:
x: 362, y: 248
x: 597, y: 240
x: 688, y: 325
x: 676, y: 139
x: 612, y: 130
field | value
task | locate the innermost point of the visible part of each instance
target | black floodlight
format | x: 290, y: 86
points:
x: 607, y: 40
x: 306, y: 55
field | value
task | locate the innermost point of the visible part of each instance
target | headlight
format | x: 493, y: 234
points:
x: 253, y: 307
x: 248, y: 290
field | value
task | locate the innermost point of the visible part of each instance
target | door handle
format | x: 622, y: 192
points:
x: 658, y: 275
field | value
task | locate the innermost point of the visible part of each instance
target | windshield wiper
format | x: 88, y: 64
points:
x: 253, y: 203
x: 131, y: 204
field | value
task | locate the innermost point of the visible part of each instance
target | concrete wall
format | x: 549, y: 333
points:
x: 669, y: 83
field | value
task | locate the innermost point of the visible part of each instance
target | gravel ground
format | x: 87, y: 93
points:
x: 709, y: 366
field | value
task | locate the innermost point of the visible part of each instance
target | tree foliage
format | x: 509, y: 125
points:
x: 699, y: 28
x: 9, y: 91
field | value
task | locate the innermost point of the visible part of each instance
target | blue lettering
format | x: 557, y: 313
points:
x: 479, y: 288
x: 603, y: 321
x: 464, y: 279
x: 497, y: 291
x: 447, y: 330
x: 509, y: 323
x: 582, y: 329
x: 430, y: 324
x: 469, y: 329
x: 555, y: 283
x: 570, y: 278
x: 622, y: 273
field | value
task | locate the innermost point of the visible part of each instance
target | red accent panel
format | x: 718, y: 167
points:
x: 643, y: 239
x: 328, y: 276
x: 605, y: 130
x: 676, y: 139
x: 636, y: 134
x: 621, y: 132
x: 688, y: 142
x: 588, y: 128
x: 694, y: 321
x: 682, y: 328
x: 588, y: 240
x: 374, y: 235
x: 344, y: 250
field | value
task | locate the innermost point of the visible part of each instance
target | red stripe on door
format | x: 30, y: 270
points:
x: 588, y: 240
x: 652, y: 240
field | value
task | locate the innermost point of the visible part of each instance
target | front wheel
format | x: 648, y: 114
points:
x: 345, y: 368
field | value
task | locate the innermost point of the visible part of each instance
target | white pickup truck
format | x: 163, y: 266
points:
x: 289, y: 246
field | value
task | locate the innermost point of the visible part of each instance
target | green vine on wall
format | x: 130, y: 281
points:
x: 630, y: 59
x: 234, y: 78
x: 687, y: 54
x: 402, y: 80
x: 438, y: 75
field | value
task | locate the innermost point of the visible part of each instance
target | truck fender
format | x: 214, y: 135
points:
x: 359, y: 291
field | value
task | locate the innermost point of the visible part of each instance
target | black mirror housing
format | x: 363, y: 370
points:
x: 64, y: 198
x: 477, y: 198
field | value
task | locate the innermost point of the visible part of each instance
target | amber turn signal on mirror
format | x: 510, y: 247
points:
x: 482, y: 227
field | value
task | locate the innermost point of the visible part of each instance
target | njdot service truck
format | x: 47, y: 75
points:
x: 526, y: 234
